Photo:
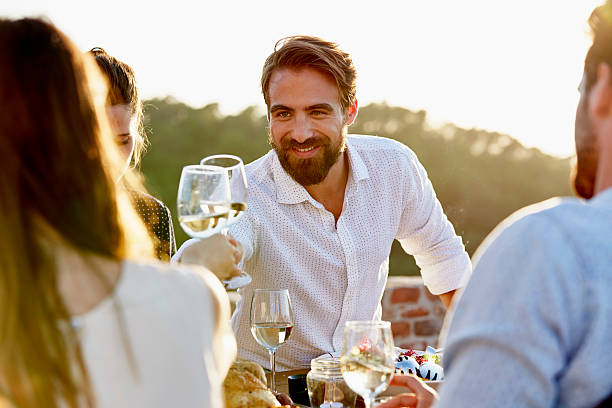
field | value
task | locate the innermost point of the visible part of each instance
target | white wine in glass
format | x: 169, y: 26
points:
x: 368, y: 358
x: 203, y: 200
x: 271, y: 322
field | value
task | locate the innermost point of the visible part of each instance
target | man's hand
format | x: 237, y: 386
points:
x: 423, y: 396
x: 219, y: 254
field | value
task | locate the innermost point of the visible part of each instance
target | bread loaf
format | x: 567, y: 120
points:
x: 244, y: 387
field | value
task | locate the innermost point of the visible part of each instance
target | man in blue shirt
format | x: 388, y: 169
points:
x: 533, y: 327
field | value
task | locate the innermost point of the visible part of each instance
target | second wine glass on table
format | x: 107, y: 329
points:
x: 234, y: 167
x: 368, y: 358
x: 271, y: 322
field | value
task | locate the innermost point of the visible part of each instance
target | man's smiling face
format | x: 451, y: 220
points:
x: 307, y: 123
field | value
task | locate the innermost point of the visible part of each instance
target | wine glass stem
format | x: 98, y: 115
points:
x: 368, y: 401
x: 273, y: 370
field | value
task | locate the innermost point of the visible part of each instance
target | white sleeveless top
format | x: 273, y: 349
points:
x: 169, y: 321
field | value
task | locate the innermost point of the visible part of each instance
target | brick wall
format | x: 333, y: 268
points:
x: 415, y: 314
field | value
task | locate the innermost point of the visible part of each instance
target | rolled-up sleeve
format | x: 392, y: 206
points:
x: 426, y: 233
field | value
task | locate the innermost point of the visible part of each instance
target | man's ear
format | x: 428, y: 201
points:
x: 600, y: 95
x: 351, y: 112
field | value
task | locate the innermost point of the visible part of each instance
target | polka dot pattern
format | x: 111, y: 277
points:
x: 158, y: 221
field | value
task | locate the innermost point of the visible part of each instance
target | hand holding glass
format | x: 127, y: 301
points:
x: 368, y: 358
x: 271, y: 321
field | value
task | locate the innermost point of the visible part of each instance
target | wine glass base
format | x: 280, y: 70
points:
x: 237, y: 282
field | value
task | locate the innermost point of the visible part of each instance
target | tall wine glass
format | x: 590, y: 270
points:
x: 368, y: 359
x: 271, y: 321
x: 238, y: 182
x: 238, y: 201
x: 203, y: 200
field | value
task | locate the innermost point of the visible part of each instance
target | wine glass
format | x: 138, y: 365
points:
x: 203, y: 200
x: 238, y: 182
x: 238, y: 201
x: 368, y: 358
x: 271, y: 321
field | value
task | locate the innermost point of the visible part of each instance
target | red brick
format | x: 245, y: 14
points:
x: 416, y: 345
x: 418, y: 312
x: 439, y: 310
x: 405, y: 295
x: 400, y: 329
x: 427, y: 327
x: 388, y: 313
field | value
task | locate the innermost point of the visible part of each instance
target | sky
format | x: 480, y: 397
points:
x: 507, y: 66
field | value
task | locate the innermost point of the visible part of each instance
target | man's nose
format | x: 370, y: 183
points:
x: 303, y: 129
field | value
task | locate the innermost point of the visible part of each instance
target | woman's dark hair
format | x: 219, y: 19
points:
x: 122, y: 90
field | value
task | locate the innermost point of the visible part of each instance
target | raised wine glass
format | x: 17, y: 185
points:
x: 368, y: 358
x: 238, y: 201
x: 271, y: 322
x: 238, y: 183
x: 203, y: 200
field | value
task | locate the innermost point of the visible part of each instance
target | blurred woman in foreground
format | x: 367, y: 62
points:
x: 81, y: 322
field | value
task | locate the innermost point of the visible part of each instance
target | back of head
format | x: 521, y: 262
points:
x: 311, y: 52
x: 122, y: 90
x: 57, y: 187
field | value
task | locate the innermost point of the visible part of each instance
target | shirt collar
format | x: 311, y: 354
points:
x: 288, y: 191
x: 358, y: 169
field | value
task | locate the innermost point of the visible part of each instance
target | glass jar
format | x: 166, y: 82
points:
x: 326, y: 387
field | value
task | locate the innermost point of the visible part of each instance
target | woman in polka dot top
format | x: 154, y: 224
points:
x: 125, y: 114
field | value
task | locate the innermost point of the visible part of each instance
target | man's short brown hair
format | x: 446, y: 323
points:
x: 311, y: 52
x: 600, y: 24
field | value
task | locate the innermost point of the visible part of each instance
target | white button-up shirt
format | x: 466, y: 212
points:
x: 337, y: 272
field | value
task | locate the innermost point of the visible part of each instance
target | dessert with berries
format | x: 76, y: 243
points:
x: 426, y: 365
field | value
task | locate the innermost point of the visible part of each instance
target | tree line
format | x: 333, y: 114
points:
x: 480, y: 177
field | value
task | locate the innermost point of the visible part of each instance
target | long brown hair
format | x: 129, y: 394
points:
x: 58, y: 167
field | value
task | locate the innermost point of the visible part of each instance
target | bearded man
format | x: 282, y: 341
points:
x: 325, y: 207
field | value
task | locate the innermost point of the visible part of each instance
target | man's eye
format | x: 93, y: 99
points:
x: 317, y: 113
x: 283, y: 114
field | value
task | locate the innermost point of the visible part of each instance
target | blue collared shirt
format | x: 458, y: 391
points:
x: 533, y: 327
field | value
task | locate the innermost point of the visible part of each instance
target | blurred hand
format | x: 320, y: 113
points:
x: 219, y: 253
x: 423, y: 396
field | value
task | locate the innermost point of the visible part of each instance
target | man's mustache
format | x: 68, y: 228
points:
x: 310, y: 142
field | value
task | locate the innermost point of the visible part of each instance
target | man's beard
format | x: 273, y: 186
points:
x: 584, y: 172
x: 313, y: 170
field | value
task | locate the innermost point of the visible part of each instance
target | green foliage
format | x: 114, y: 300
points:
x: 480, y: 177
